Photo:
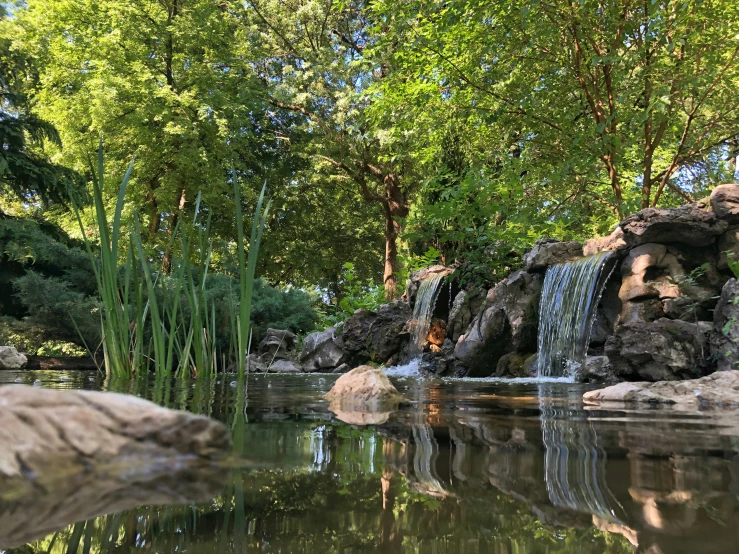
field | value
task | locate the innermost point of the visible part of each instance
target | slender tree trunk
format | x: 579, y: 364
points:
x: 392, y: 230
x: 174, y: 218
x: 395, y: 205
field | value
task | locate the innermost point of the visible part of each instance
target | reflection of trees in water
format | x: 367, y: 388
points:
x: 575, y: 465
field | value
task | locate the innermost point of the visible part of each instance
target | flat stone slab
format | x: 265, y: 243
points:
x: 718, y: 390
x: 68, y: 456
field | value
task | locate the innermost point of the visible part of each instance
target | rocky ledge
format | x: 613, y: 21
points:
x: 718, y: 390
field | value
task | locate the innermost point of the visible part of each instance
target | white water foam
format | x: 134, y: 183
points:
x: 409, y: 370
x: 514, y: 380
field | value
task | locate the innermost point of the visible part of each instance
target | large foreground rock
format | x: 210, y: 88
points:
x: 548, y: 252
x: 69, y: 456
x: 376, y: 336
x: 725, y: 336
x: 10, y: 358
x: 660, y: 350
x: 691, y: 224
x: 508, y: 323
x: 321, y: 351
x: 720, y: 389
x: 364, y: 388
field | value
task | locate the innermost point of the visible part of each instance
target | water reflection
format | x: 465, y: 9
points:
x: 468, y: 468
x: 574, y: 462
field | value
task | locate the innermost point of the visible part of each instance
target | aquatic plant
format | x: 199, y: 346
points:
x: 143, y: 323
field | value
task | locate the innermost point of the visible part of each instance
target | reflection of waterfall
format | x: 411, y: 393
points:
x: 422, y: 312
x: 568, y: 300
x: 424, y: 459
x: 574, y: 464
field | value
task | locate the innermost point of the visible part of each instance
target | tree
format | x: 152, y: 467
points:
x: 23, y: 170
x: 318, y: 64
x: 164, y: 79
x: 581, y: 98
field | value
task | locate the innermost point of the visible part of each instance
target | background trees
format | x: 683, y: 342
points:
x: 383, y: 128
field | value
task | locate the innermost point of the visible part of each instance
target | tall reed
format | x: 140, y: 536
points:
x: 143, y: 323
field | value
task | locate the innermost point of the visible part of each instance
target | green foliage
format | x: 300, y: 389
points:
x: 355, y: 295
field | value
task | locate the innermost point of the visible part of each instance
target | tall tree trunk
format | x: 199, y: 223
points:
x: 395, y: 205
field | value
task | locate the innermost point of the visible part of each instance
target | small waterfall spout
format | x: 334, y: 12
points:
x: 428, y: 291
x: 569, y: 298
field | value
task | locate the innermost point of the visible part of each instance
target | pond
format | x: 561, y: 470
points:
x: 470, y: 466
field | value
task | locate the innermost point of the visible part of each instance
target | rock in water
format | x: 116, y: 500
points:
x: 364, y: 388
x: 720, y: 389
x: 69, y: 456
x: 10, y: 358
x: 321, y: 351
x: 659, y: 350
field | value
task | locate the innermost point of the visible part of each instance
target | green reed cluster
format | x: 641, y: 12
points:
x: 143, y: 321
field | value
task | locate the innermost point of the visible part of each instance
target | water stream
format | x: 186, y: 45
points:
x: 569, y: 298
x: 428, y: 292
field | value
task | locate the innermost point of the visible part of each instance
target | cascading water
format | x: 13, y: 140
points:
x: 428, y: 291
x: 569, y: 297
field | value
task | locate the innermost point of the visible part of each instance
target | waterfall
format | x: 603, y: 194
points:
x: 569, y: 297
x: 423, y: 311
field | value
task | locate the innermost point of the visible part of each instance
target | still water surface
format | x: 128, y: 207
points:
x: 468, y: 467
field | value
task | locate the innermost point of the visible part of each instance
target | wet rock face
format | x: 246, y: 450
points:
x: 690, y: 224
x: 10, y: 358
x: 725, y: 335
x: 728, y: 247
x: 725, y: 202
x: 321, y: 351
x: 277, y: 344
x: 377, y: 335
x: 548, y: 252
x: 467, y: 304
x: 415, y: 279
x: 508, y: 323
x: 363, y: 388
x: 720, y: 389
x: 660, y: 350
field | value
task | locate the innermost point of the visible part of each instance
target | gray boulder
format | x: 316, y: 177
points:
x: 661, y: 350
x: 725, y: 336
x: 10, y: 358
x: 596, y: 369
x: 690, y: 224
x: 284, y: 366
x: 728, y: 247
x: 611, y: 243
x: 277, y: 344
x: 376, y: 336
x: 720, y: 389
x: 548, y: 252
x: 508, y: 323
x: 467, y: 304
x: 321, y: 351
x: 725, y: 202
